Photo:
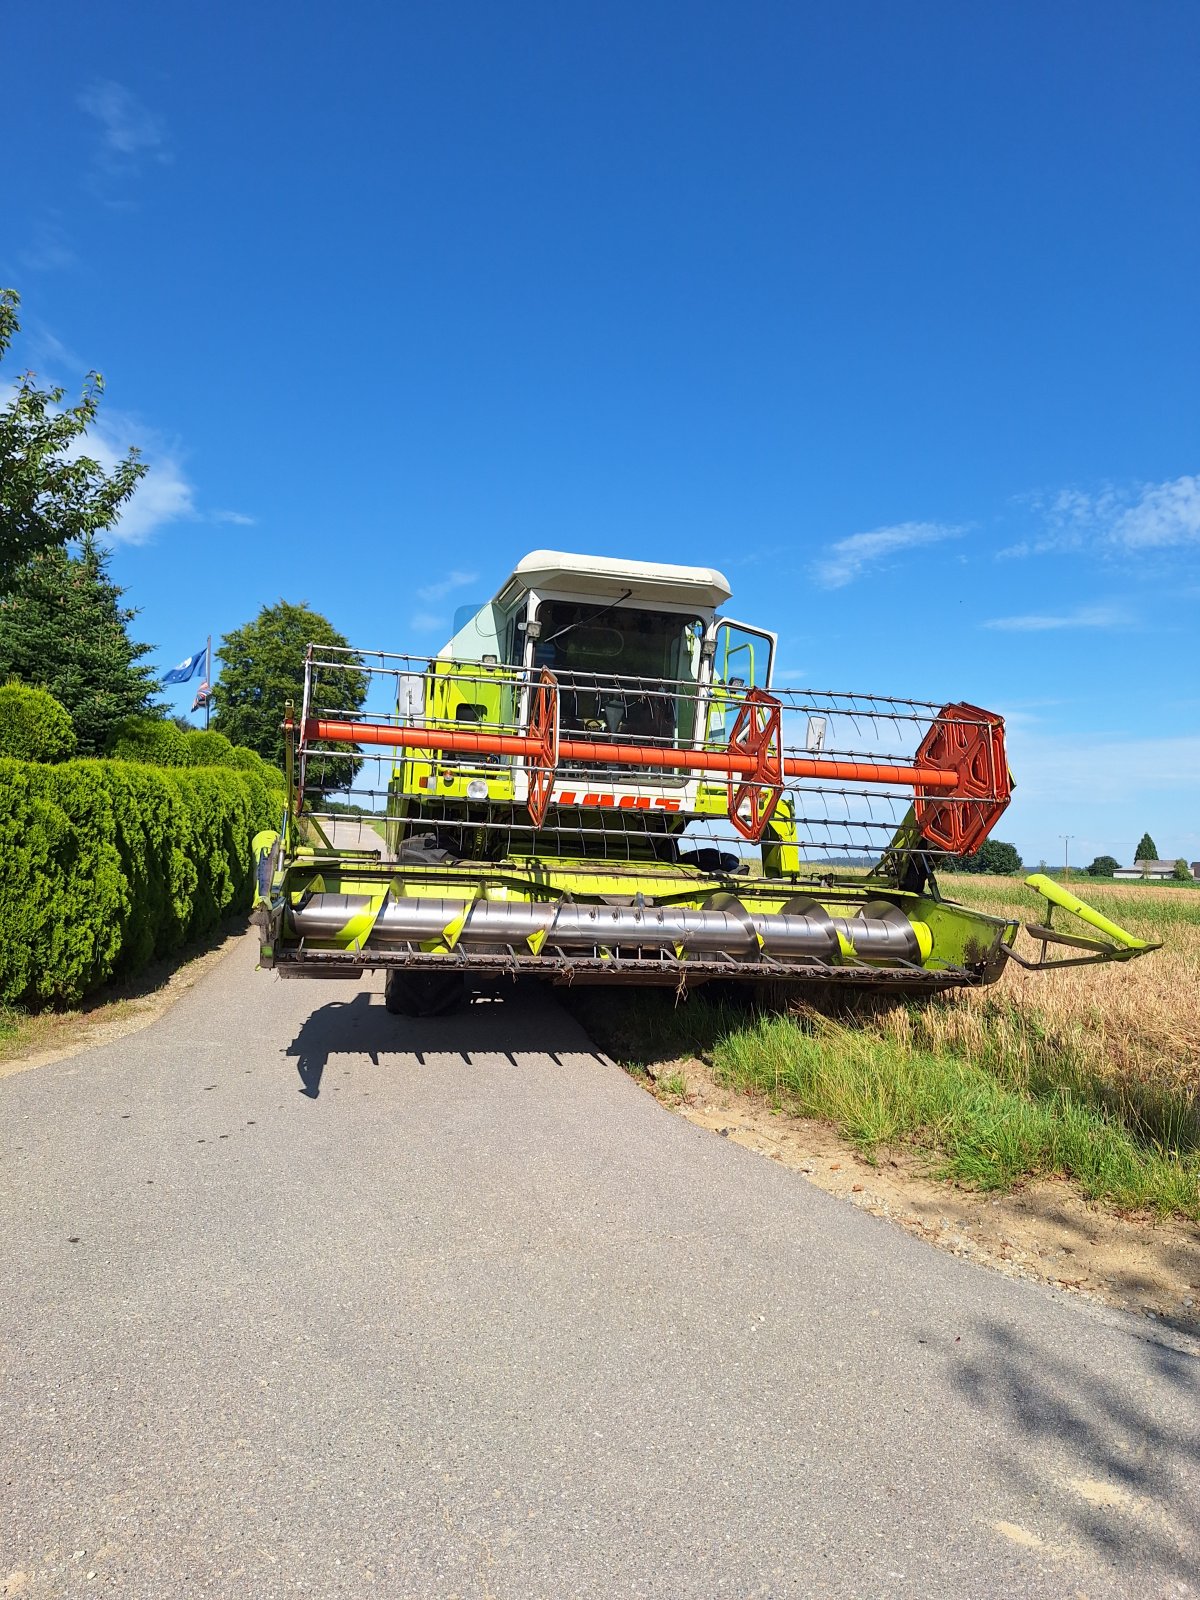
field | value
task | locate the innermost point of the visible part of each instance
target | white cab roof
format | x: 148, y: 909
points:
x: 610, y: 578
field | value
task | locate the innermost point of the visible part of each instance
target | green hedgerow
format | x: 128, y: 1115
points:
x: 154, y: 740
x: 106, y: 865
x: 33, y: 725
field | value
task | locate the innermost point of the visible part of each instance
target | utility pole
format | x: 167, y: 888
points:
x: 1066, y: 839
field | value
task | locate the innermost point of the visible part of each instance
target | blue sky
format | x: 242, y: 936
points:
x: 890, y: 312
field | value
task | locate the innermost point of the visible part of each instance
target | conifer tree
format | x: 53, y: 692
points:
x: 63, y: 628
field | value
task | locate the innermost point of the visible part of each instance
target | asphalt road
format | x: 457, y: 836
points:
x: 300, y: 1298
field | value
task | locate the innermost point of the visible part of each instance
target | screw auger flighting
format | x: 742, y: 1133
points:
x: 597, y: 781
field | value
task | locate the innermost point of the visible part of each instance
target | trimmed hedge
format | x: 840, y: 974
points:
x: 34, y: 726
x: 163, y: 744
x: 107, y: 865
x: 151, y: 739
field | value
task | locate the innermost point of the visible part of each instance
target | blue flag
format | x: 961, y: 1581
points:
x: 186, y: 669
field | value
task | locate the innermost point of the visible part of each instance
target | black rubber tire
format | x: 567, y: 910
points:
x: 423, y: 994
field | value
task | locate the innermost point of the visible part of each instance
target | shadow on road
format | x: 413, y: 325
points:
x: 1119, y: 1478
x: 514, y: 1021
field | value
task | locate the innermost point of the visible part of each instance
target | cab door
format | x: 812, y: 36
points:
x: 744, y: 655
x: 743, y: 658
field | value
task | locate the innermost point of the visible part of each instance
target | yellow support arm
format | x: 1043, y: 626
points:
x: 1058, y: 896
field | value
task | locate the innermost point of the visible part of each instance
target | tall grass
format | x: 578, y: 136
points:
x: 1091, y: 1073
x: 978, y: 1129
x: 1126, y: 1033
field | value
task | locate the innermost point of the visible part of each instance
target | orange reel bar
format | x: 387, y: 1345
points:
x: 960, y: 775
x: 460, y: 741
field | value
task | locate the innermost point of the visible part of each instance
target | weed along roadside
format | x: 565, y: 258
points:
x: 1048, y: 1127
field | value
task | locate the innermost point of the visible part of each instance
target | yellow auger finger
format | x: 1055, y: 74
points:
x: 1058, y: 896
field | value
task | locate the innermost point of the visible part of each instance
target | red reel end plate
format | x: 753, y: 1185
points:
x: 969, y: 743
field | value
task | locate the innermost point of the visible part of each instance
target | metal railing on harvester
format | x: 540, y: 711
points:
x: 612, y: 752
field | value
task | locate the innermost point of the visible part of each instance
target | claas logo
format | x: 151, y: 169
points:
x: 625, y: 802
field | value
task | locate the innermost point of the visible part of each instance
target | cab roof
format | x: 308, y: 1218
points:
x: 609, y: 578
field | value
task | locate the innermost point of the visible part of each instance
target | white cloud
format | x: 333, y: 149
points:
x: 129, y: 133
x: 1081, y: 617
x: 452, y: 581
x: 164, y: 494
x: 1164, y: 514
x: 1112, y: 520
x: 849, y: 558
x: 240, y: 519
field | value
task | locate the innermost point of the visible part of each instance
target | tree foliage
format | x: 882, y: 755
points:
x: 51, y: 492
x: 33, y: 726
x: 262, y: 668
x: 993, y: 856
x: 1182, y: 872
x: 1147, y: 850
x: 1103, y: 867
x: 63, y: 628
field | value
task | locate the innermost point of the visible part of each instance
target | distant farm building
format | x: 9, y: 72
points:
x: 1153, y: 869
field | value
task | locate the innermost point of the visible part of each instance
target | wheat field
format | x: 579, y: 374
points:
x: 1132, y: 1026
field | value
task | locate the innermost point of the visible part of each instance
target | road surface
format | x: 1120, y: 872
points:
x: 300, y: 1298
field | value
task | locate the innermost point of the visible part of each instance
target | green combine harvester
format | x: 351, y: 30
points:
x: 597, y: 781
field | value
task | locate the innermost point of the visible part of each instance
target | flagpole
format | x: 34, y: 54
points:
x: 208, y: 679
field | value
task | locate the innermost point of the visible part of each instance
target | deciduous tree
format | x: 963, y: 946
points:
x: 262, y: 668
x: 1103, y: 867
x: 994, y: 856
x: 51, y: 491
x: 1147, y: 850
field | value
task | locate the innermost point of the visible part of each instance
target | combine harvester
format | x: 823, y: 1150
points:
x: 596, y: 781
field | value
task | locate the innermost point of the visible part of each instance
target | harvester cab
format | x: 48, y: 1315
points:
x: 596, y: 781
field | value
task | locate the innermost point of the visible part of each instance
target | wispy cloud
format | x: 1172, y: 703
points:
x: 239, y: 518
x: 426, y: 622
x: 1115, y: 520
x: 1081, y: 617
x: 1103, y: 768
x: 1164, y: 514
x: 849, y: 558
x: 452, y: 581
x: 131, y: 135
x: 46, y: 347
x: 163, y: 496
x: 50, y: 249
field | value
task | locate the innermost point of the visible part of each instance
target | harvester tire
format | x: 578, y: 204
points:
x: 423, y: 994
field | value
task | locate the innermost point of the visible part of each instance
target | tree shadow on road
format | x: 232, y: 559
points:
x: 1119, y: 1477
x: 513, y: 1021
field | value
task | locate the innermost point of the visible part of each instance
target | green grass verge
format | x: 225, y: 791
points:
x: 977, y: 1123
x: 979, y: 1130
